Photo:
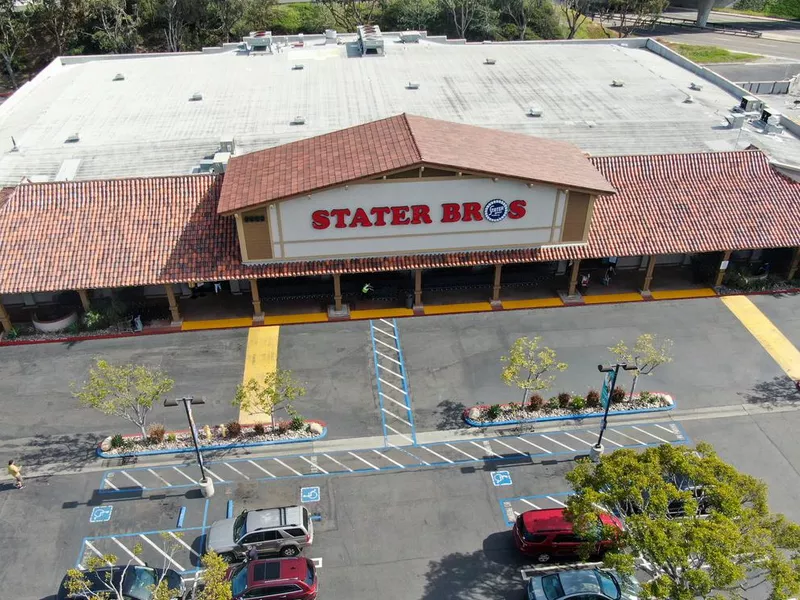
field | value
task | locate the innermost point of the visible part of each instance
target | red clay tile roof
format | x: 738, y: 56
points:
x: 69, y: 235
x: 401, y: 142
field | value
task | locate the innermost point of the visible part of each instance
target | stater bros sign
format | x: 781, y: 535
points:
x: 493, y: 211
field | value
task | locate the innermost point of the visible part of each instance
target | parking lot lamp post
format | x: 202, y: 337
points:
x: 206, y: 484
x: 608, y: 388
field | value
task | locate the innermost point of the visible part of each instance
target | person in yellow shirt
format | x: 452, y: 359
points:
x: 14, y: 471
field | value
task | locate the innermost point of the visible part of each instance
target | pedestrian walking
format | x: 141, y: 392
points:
x: 252, y: 554
x: 14, y: 471
x: 366, y: 290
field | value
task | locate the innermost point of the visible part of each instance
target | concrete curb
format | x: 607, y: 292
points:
x: 215, y: 447
x: 572, y: 417
x: 81, y: 338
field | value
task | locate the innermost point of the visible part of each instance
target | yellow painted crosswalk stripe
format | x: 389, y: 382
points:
x: 770, y: 337
x: 261, y: 358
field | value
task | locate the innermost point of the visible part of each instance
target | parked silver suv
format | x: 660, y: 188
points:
x: 285, y: 531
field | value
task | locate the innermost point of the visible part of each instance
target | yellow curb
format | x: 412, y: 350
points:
x: 296, y: 319
x: 381, y: 312
x: 770, y: 337
x: 261, y: 358
x: 217, y: 324
x: 441, y: 309
x: 608, y: 298
x: 680, y: 294
x: 533, y: 303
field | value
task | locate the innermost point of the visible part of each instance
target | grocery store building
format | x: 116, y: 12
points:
x: 223, y: 183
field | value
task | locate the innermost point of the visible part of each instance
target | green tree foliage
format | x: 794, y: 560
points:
x: 648, y: 353
x: 701, y: 528
x: 627, y: 16
x: 529, y: 364
x: 276, y: 389
x: 531, y: 18
x: 15, y: 30
x: 215, y: 585
x: 116, y: 25
x: 347, y: 14
x: 415, y: 15
x: 575, y: 14
x: 125, y: 391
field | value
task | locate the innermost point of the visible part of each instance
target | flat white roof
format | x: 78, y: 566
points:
x: 145, y: 125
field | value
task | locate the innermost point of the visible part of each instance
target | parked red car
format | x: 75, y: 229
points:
x: 546, y: 534
x: 276, y: 578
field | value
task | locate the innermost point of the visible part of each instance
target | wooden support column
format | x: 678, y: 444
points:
x: 85, y: 300
x: 573, y: 277
x: 5, y: 320
x: 648, y: 276
x: 257, y: 312
x: 794, y: 264
x: 723, y: 266
x: 417, y: 290
x: 337, y: 292
x: 498, y: 272
x: 173, y: 303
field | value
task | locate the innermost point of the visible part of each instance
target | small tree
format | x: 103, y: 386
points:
x: 647, y: 354
x: 628, y: 16
x: 15, y: 29
x: 575, y: 13
x: 347, y: 14
x: 277, y: 388
x: 463, y: 13
x: 721, y: 537
x: 528, y: 365
x: 126, y: 391
x: 215, y: 585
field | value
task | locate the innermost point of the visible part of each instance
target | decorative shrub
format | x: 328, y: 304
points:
x: 578, y: 403
x: 12, y: 334
x: 563, y: 400
x: 156, y: 433
x: 94, y: 320
x: 535, y: 402
x: 647, y: 397
x: 297, y: 423
x: 493, y: 411
x: 74, y: 328
x: 283, y: 426
x: 593, y: 399
x: 552, y: 403
x: 171, y: 437
x: 258, y: 429
x: 617, y: 395
x: 234, y: 429
x: 117, y: 441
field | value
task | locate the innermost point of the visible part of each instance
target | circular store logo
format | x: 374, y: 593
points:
x: 495, y: 210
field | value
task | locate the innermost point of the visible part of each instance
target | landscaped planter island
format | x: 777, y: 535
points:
x: 565, y: 407
x: 218, y: 437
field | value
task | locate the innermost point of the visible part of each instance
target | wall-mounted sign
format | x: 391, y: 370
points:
x: 418, y: 214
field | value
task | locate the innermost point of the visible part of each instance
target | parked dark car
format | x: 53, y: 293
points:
x: 137, y: 583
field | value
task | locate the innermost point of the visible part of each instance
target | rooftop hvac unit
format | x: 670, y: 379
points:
x: 766, y: 113
x: 331, y: 35
x: 227, y: 144
x: 119, y: 77
x: 410, y: 37
x: 207, y: 165
x: 413, y: 85
x: 751, y: 104
x: 299, y: 120
x: 221, y: 161
x: 735, y: 120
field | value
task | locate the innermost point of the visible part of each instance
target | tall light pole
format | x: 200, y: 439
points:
x: 610, y: 382
x: 206, y: 484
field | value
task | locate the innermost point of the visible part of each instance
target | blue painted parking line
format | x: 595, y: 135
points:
x: 543, y: 446
x: 511, y: 508
x: 181, y: 516
x: 229, y: 510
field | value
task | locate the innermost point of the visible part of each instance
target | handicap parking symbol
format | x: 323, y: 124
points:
x: 309, y: 494
x: 500, y: 478
x: 101, y: 514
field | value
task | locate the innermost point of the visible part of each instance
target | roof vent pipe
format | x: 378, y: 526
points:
x: 617, y: 83
x: 75, y: 137
x: 119, y: 77
x: 196, y: 97
x: 412, y: 85
x: 299, y: 121
x: 490, y: 61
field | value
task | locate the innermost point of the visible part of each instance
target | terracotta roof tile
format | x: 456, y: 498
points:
x: 399, y: 142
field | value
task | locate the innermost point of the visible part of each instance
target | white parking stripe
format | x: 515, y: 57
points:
x: 652, y: 435
x: 366, y: 462
x: 398, y: 433
x: 397, y: 362
x: 214, y: 475
x: 235, y: 470
x: 384, y: 332
x: 110, y: 484
x: 382, y: 380
x: 405, y: 406
x: 257, y: 466
x: 389, y: 323
x: 522, y: 439
x: 97, y: 552
x: 164, y: 554
x: 629, y: 437
x: 159, y: 477
x: 462, y: 452
x: 390, y: 459
x: 559, y: 443
x: 132, y: 479
x: 579, y: 439
x: 667, y: 429
x: 608, y: 439
x: 444, y: 458
x: 128, y: 552
x: 414, y: 456
x: 529, y: 503
x: 184, y: 544
x: 510, y: 448
x: 184, y: 474
x: 556, y: 501
x: 314, y: 465
x: 388, y: 412
x: 329, y: 457
x: 486, y: 448
x: 388, y: 370
x: 385, y: 344
x: 280, y: 462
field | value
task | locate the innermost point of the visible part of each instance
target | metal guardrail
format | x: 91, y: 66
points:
x: 690, y: 24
